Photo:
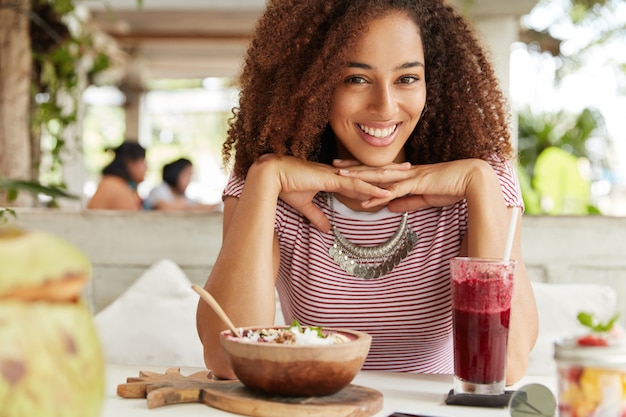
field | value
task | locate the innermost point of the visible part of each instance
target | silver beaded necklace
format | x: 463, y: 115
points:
x: 371, y: 262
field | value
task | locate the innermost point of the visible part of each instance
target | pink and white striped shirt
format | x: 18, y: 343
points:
x: 408, y: 311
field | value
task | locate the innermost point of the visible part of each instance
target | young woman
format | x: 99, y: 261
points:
x: 117, y: 189
x: 374, y: 128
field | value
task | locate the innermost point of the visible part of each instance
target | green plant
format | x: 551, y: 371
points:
x: 559, y: 136
x: 59, y: 55
x: 13, y: 187
x: 5, y: 213
x: 562, y: 129
x: 600, y: 332
x: 588, y: 320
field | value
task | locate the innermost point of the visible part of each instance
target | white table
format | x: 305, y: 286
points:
x: 409, y: 393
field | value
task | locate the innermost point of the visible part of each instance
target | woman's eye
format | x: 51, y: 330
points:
x: 355, y: 80
x: 408, y: 79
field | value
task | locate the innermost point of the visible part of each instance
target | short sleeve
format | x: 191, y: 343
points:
x: 234, y: 186
x: 509, y: 182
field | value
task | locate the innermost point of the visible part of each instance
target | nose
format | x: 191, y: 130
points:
x: 384, y: 102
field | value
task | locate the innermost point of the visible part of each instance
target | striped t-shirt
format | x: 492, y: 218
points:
x: 408, y: 312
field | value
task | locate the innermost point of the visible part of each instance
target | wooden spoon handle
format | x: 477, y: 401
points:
x: 216, y: 307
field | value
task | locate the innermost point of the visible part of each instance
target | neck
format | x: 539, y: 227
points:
x: 354, y: 204
x: 176, y: 191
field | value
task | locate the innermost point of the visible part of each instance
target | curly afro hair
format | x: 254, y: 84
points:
x: 295, y: 60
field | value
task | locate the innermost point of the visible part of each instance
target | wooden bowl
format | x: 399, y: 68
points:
x: 296, y: 370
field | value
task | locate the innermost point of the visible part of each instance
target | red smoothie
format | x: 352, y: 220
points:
x: 481, y: 294
x: 480, y: 345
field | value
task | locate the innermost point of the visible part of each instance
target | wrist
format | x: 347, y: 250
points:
x: 482, y: 183
x: 265, y: 174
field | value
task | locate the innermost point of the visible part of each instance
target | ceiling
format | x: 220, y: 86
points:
x: 204, y: 38
x: 179, y: 39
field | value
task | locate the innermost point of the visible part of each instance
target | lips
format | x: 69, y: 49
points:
x: 378, y: 136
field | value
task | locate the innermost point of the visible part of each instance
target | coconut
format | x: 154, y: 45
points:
x: 51, y: 362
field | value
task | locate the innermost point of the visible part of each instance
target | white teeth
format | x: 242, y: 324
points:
x: 377, y: 132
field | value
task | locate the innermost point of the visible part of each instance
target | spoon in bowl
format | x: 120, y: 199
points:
x: 216, y: 307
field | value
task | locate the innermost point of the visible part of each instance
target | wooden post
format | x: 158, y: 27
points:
x: 15, y: 72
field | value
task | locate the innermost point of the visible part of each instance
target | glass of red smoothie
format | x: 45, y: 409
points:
x: 481, y: 303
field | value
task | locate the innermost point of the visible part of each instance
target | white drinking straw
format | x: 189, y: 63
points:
x: 511, y: 234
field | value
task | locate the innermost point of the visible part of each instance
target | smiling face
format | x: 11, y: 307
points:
x: 382, y: 94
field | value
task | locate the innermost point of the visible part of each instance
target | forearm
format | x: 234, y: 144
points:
x: 488, y: 216
x: 523, y: 326
x: 243, y: 277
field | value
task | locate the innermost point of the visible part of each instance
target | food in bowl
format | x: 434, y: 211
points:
x: 294, y: 335
x: 263, y: 362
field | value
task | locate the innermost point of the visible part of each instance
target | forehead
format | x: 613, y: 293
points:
x: 393, y: 35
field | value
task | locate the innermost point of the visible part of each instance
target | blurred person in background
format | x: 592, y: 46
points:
x: 170, y: 195
x: 117, y: 189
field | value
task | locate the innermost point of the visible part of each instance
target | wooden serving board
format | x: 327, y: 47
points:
x: 174, y: 388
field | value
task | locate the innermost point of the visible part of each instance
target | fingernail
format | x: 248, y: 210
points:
x: 344, y: 172
x: 337, y: 161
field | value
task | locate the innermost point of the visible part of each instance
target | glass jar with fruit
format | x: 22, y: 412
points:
x: 592, y: 371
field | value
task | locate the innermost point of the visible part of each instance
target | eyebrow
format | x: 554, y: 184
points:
x: 406, y: 65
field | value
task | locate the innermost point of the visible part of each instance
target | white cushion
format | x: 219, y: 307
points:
x: 558, y: 306
x: 153, y: 322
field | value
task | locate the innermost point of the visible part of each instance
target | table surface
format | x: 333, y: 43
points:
x: 402, y: 392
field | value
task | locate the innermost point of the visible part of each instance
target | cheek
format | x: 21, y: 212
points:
x: 138, y: 170
x: 184, y: 181
x: 340, y: 111
x: 418, y: 101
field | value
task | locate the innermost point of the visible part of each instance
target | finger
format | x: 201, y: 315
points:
x: 400, y: 204
x: 390, y: 173
x: 356, y: 166
x: 316, y: 217
x: 359, y: 189
x: 345, y: 163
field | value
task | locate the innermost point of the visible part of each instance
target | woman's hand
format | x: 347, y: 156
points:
x: 418, y: 186
x: 299, y: 181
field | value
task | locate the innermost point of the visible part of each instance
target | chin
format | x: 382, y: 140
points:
x: 378, y: 162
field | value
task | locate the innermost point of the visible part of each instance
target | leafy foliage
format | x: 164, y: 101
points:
x: 12, y: 188
x: 582, y: 135
x: 588, y: 320
x: 564, y: 130
x: 601, y: 23
x: 5, y: 213
x: 567, y: 131
x: 57, y: 53
x: 295, y: 324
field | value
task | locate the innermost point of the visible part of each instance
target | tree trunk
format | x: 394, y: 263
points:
x: 15, y: 69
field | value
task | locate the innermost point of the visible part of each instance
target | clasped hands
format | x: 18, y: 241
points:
x: 399, y: 186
